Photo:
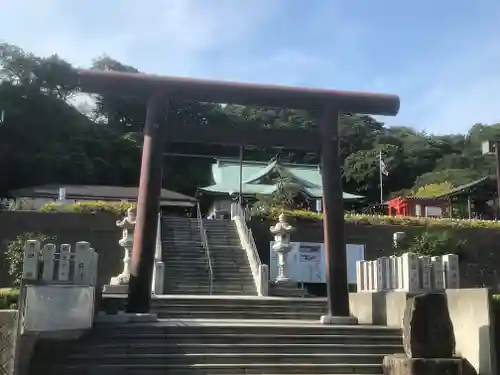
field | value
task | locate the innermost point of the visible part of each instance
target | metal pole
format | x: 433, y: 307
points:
x: 381, y: 178
x: 333, y: 216
x: 143, y: 251
x: 240, y: 199
x: 497, y: 157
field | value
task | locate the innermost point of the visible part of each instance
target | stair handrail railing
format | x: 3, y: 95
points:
x: 260, y: 271
x: 204, y: 242
x: 159, y: 266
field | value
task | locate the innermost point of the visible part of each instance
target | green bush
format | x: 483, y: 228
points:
x: 15, y: 253
x: 8, y: 298
x: 363, y: 219
x: 432, y: 243
x: 116, y: 208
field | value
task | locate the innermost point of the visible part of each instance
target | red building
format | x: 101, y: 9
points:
x: 419, y: 207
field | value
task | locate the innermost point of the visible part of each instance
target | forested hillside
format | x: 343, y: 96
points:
x: 46, y: 136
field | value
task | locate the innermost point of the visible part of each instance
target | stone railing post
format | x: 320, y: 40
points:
x: 408, y: 273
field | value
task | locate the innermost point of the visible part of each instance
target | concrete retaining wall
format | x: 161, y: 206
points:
x: 470, y: 312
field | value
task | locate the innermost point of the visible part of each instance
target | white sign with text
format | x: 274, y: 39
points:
x: 306, y: 262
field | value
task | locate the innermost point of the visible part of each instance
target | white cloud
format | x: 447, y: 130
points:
x: 159, y: 36
x: 452, y: 81
x: 453, y: 88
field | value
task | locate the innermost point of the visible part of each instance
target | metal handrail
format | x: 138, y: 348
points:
x: 204, y: 242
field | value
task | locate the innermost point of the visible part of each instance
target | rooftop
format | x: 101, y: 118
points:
x: 96, y: 192
x: 256, y: 174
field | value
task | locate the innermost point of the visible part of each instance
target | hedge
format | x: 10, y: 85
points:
x: 363, y: 219
x: 116, y: 208
x: 8, y: 298
x: 120, y: 208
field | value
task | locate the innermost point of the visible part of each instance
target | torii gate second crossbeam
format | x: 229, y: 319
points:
x: 159, y: 90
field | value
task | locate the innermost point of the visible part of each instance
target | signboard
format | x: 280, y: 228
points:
x: 306, y: 262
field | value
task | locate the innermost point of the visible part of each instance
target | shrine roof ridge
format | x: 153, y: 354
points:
x: 204, y: 90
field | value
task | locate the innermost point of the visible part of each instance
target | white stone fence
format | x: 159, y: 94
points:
x: 408, y: 273
x: 64, y: 265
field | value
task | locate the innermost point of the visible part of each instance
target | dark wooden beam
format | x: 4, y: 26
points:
x: 148, y: 203
x: 329, y: 102
x: 202, y: 90
x: 289, y: 139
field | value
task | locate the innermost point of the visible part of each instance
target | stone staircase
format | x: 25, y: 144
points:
x: 224, y: 339
x: 231, y: 270
x: 227, y: 307
x: 217, y: 334
x: 186, y: 264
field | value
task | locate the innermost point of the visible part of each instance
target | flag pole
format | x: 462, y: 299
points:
x: 381, y: 177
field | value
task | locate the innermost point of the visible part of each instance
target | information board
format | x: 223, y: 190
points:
x: 306, y: 262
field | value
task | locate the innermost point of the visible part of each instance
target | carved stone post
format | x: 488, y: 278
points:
x: 127, y: 225
x: 281, y: 246
x: 119, y: 284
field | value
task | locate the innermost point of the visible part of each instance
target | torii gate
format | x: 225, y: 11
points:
x: 159, y: 90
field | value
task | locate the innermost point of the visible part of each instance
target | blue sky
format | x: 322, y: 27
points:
x: 442, y: 57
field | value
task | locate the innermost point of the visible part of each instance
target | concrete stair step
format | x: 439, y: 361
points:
x: 243, y: 308
x: 228, y: 358
x: 261, y: 327
x: 185, y: 273
x: 209, y: 369
x: 189, y: 291
x: 208, y: 314
x: 188, y: 347
x: 246, y: 338
x: 173, y: 274
x: 263, y: 303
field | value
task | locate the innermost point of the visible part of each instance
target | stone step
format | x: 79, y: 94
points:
x: 221, y: 268
x: 242, y: 308
x: 226, y: 274
x: 172, y: 347
x: 170, y: 313
x: 251, y: 302
x: 186, y: 273
x: 235, y: 326
x: 158, y: 338
x: 209, y: 369
x: 229, y: 358
x: 183, y: 253
x: 185, y: 256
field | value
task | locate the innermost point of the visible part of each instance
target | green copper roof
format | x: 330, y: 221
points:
x: 226, y: 177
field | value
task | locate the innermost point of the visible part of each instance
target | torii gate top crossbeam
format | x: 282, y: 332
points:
x: 201, y: 90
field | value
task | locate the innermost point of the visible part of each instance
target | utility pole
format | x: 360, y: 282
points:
x: 493, y: 147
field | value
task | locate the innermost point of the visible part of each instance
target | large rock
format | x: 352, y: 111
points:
x: 427, y: 327
x: 399, y: 364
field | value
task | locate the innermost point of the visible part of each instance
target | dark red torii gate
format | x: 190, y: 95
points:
x: 159, y: 90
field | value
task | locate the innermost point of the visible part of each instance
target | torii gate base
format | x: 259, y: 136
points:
x: 161, y: 89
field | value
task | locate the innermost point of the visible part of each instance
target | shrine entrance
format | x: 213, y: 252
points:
x: 158, y: 130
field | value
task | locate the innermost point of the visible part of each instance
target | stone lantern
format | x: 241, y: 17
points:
x: 281, y: 246
x: 127, y: 241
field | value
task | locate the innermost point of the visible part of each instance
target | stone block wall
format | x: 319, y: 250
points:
x: 8, y: 324
x: 98, y: 229
x: 479, y: 260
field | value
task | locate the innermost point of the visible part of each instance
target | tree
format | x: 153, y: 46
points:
x: 45, y: 139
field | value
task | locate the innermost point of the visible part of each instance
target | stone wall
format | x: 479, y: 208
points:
x: 99, y: 229
x: 479, y: 261
x: 8, y: 319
